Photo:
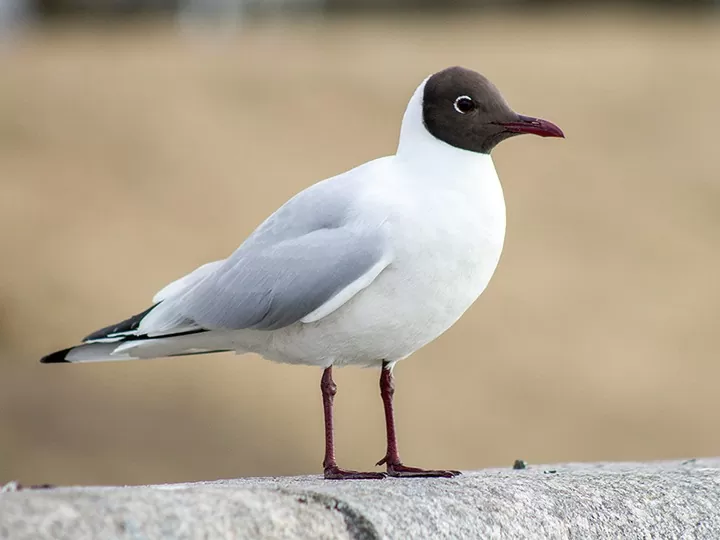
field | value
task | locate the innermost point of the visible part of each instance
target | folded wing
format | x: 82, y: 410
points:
x: 270, y: 286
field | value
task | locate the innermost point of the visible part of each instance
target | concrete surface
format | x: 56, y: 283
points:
x: 618, y: 500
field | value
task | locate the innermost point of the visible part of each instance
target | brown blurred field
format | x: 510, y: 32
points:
x: 131, y: 154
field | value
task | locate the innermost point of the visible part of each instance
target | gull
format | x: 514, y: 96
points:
x: 360, y: 269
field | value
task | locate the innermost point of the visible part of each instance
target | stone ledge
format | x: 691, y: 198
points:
x: 612, y: 500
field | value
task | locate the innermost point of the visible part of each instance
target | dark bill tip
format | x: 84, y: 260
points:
x: 533, y: 126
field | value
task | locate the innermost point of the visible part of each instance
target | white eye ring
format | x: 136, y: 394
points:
x: 458, y: 100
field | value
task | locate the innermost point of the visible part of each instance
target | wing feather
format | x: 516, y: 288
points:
x: 270, y: 287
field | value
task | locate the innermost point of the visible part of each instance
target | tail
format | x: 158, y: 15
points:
x: 122, y: 341
x: 86, y: 352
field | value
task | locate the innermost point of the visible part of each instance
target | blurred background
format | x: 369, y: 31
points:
x: 142, y: 138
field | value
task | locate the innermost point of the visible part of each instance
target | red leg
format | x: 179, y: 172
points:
x: 392, y: 457
x: 332, y: 471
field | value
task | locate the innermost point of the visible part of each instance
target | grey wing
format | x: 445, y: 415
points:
x: 302, y: 263
x: 267, y: 287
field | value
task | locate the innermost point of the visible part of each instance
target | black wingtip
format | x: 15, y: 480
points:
x: 123, y: 327
x: 57, y: 357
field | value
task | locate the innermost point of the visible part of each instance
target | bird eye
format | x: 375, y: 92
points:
x: 464, y: 104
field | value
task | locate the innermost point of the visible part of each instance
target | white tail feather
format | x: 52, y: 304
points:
x: 95, y: 352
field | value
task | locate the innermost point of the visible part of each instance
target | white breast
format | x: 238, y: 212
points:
x: 448, y: 244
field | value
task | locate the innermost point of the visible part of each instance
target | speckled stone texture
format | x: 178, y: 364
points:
x: 583, y: 501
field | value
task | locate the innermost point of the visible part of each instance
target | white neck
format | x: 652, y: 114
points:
x: 419, y: 149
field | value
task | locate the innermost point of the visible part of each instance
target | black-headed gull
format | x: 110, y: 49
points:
x: 363, y: 268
